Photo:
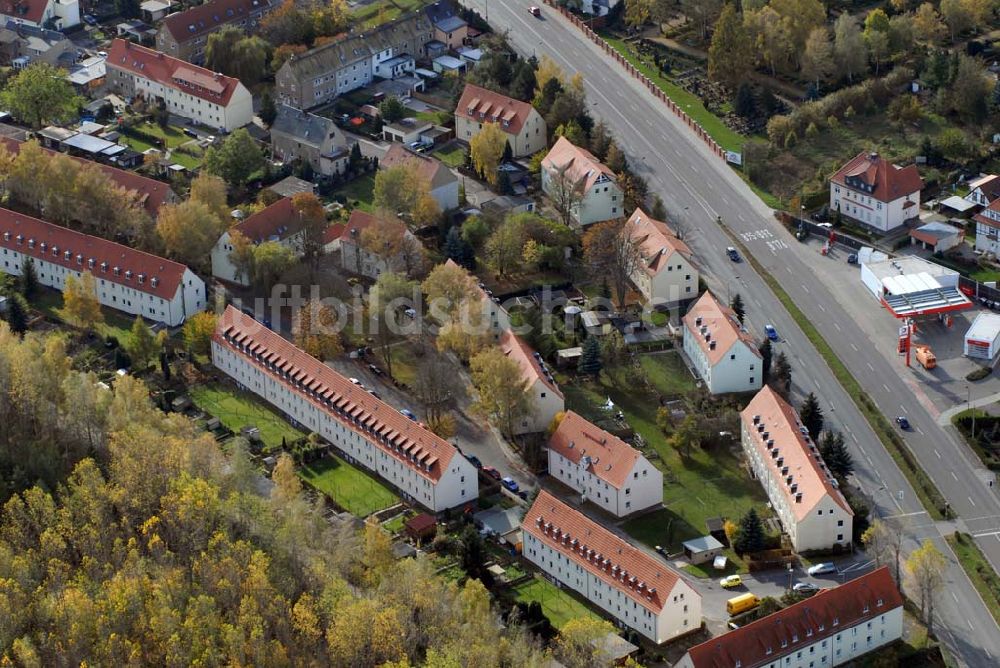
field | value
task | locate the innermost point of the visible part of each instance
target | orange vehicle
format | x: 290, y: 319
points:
x: 925, y: 356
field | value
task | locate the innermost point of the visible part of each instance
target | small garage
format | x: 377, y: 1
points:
x: 981, y: 341
x: 702, y: 550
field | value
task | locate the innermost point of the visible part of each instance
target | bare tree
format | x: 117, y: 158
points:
x: 883, y: 540
x: 926, y: 564
x: 434, y: 386
x: 566, y: 194
x: 612, y: 252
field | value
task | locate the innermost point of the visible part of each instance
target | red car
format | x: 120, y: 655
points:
x: 491, y: 472
x: 535, y: 11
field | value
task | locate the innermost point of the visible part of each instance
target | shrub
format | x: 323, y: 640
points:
x: 812, y: 130
x: 979, y: 374
x: 791, y: 139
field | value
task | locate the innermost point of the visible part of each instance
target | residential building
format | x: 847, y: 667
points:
x: 152, y: 194
x: 315, y: 140
x: 22, y: 45
x: 637, y: 590
x: 496, y: 317
x: 449, y: 28
x: 424, y: 467
x: 185, y: 34
x: 598, y: 7
x: 545, y: 399
x: 187, y: 90
x: 984, y: 190
x: 834, y: 627
x: 604, y: 469
x: 523, y: 125
x: 153, y: 11
x: 54, y: 14
x: 987, y: 224
x: 443, y: 182
x: 125, y: 279
x: 277, y: 222
x: 785, y: 460
x: 357, y: 259
x: 354, y: 61
x: 876, y: 193
x: 667, y: 274
x: 573, y: 177
x: 722, y: 353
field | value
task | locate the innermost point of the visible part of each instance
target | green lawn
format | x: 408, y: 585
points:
x: 116, y: 323
x: 733, y: 565
x: 435, y: 117
x: 667, y: 373
x: 689, y: 102
x: 359, y: 192
x: 558, y: 604
x: 382, y: 11
x: 453, y: 157
x: 984, y: 578
x: 350, y: 488
x: 172, y: 138
x: 237, y: 409
x: 395, y: 525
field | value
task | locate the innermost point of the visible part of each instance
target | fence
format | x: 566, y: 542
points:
x: 649, y: 83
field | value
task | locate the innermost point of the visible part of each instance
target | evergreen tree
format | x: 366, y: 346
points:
x: 745, y: 105
x: 812, y: 416
x: 508, y: 153
x: 17, y: 314
x: 268, y: 109
x: 29, y: 279
x: 781, y: 374
x: 503, y: 182
x: 765, y: 353
x: 750, y: 537
x: 164, y: 366
x: 605, y: 289
x: 458, y: 249
x: 835, y: 454
x: 738, y: 308
x: 659, y: 211
x: 590, y: 357
x: 356, y: 157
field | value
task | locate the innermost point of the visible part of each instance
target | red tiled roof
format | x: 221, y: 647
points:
x: 887, y: 181
x: 611, y: 459
x: 829, y: 612
x: 24, y: 10
x: 580, y: 164
x: 51, y: 242
x: 152, y: 193
x: 278, y: 220
x: 211, y: 16
x: 781, y: 423
x: 722, y: 325
x: 989, y: 184
x: 495, y: 106
x: 358, y: 222
x: 614, y: 560
x: 531, y: 367
x: 657, y: 241
x: 405, y: 439
x: 172, y: 72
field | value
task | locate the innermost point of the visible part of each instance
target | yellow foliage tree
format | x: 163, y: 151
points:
x: 197, y: 332
x: 486, y: 149
x: 80, y: 304
x: 315, y: 331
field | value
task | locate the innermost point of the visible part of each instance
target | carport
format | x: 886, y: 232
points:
x: 911, y: 286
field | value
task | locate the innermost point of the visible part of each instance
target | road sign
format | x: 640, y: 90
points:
x: 734, y: 157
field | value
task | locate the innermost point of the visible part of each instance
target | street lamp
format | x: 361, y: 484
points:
x: 802, y: 217
x: 790, y: 570
x: 968, y: 400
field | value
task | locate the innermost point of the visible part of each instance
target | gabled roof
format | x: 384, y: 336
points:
x: 152, y: 193
x: 421, y: 450
x: 532, y: 367
x: 356, y: 224
x: 141, y: 271
x: 206, y: 18
x: 431, y: 169
x: 24, y: 10
x: 508, y: 113
x: 935, y: 231
x: 708, y: 317
x: 881, y: 179
x: 611, y: 459
x: 657, y: 242
x: 994, y: 208
x: 643, y: 578
x: 278, y: 220
x: 786, y: 631
x: 809, y: 474
x: 306, y: 128
x: 989, y: 184
x: 171, y: 72
x: 580, y: 165
x: 444, y: 16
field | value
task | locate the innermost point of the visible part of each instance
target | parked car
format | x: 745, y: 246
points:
x: 374, y: 394
x: 90, y: 19
x: 733, y: 254
x: 903, y: 423
x: 474, y: 461
x: 805, y: 588
x: 771, y: 332
x: 822, y: 569
x: 852, y: 258
x: 510, y: 484
x: 375, y: 370
x: 731, y: 581
x: 535, y: 11
x: 491, y: 472
x: 408, y: 413
x: 354, y: 381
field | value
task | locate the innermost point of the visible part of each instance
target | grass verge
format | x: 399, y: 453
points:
x: 926, y: 491
x: 349, y: 487
x: 558, y: 604
x: 984, y: 578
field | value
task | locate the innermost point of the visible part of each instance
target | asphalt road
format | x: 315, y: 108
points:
x: 697, y: 187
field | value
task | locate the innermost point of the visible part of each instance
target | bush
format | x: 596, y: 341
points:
x: 979, y: 374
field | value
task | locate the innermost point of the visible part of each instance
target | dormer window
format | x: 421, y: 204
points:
x: 128, y: 275
x: 104, y: 267
x: 142, y: 278
x: 43, y: 247
x: 154, y: 281
x: 90, y: 263
x: 55, y: 251
x: 6, y: 236
x: 31, y: 243
x: 79, y: 259
x: 19, y: 239
x: 117, y: 271
x: 68, y: 255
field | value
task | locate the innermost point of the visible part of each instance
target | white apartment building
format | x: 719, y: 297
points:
x: 524, y: 126
x: 36, y: 13
x: 567, y: 168
x: 834, y: 627
x: 425, y: 468
x: 277, y: 222
x: 988, y: 228
x: 875, y: 192
x: 667, y: 274
x: 786, y: 462
x: 544, y: 396
x: 187, y: 90
x: 604, y: 469
x: 636, y: 590
x: 125, y: 279
x: 724, y: 356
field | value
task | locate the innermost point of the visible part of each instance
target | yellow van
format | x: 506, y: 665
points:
x: 741, y: 603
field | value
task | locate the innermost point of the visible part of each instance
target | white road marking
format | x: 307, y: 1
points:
x: 821, y: 308
x: 883, y: 384
x: 954, y: 476
x: 838, y: 328
x: 937, y: 453
x: 854, y: 348
x: 870, y: 367
x: 903, y: 408
x: 855, y: 438
x: 972, y: 502
x: 805, y: 288
x: 870, y: 462
x: 953, y: 596
x: 918, y: 431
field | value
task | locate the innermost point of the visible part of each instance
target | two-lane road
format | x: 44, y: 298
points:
x: 698, y: 187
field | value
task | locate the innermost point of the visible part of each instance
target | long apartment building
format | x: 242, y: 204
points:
x: 185, y: 34
x: 125, y: 279
x: 834, y: 627
x: 187, y: 90
x: 604, y: 469
x: 802, y: 491
x: 321, y: 74
x: 424, y: 467
x: 637, y: 590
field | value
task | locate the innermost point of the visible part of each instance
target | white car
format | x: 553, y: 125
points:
x: 355, y: 381
x: 822, y: 569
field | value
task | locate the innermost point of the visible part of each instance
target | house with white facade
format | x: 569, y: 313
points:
x: 545, y: 399
x: 667, y: 274
x: 604, y: 469
x: 425, y: 468
x: 876, y: 193
x: 635, y: 589
x: 834, y: 627
x: 988, y: 228
x: 443, y: 184
x: 125, y: 279
x: 356, y: 258
x: 598, y: 7
x: 187, y: 90
x: 802, y: 490
x: 984, y: 190
x: 572, y: 175
x: 58, y: 14
x: 723, y: 355
x: 277, y: 222
x: 524, y: 126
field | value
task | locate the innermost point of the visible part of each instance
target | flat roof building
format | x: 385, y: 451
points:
x: 911, y: 286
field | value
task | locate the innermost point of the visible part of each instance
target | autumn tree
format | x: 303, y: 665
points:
x: 565, y: 190
x: 197, y: 332
x: 435, y: 386
x: 312, y: 223
x: 287, y: 24
x: 237, y: 159
x: 391, y: 293
x: 611, y: 250
x: 391, y: 241
x: 772, y: 44
x: 188, y: 231
x: 401, y: 190
x: 728, y: 55
x: 702, y: 12
x: 798, y: 19
x: 971, y: 89
x: 883, y: 540
x: 40, y: 94
x: 315, y: 330
x: 80, y: 304
x: 928, y: 25
x: 271, y: 259
x: 926, y: 565
x: 142, y: 345
x: 637, y: 12
x: 448, y: 287
x: 486, y: 150
x: 581, y: 643
x: 234, y: 53
x: 818, y: 60
x: 956, y: 16
x: 848, y: 46
x: 504, y: 248
x: 241, y: 256
x: 503, y: 391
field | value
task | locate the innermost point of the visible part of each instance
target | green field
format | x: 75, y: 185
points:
x: 116, y: 323
x: 350, y: 488
x: 558, y: 604
x: 237, y: 409
x: 359, y: 192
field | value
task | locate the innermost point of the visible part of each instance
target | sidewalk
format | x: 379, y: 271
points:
x: 945, y: 417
